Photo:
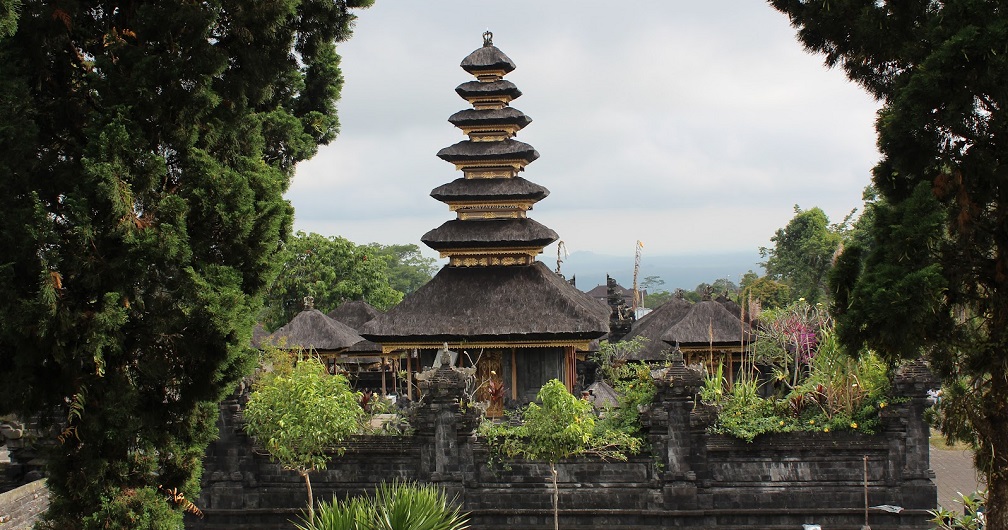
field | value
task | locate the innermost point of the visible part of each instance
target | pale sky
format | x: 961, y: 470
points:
x: 694, y: 127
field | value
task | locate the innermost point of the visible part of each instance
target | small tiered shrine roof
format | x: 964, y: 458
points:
x: 493, y: 292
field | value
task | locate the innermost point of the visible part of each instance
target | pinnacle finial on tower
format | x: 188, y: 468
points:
x: 488, y: 38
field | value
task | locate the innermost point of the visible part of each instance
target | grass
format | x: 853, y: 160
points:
x: 938, y: 442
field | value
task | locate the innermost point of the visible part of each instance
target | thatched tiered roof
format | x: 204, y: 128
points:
x: 471, y: 89
x: 487, y: 58
x: 311, y: 329
x: 464, y: 189
x: 354, y: 313
x: 653, y: 326
x: 493, y: 293
x: 501, y: 233
x: 468, y: 151
x: 522, y: 304
x: 708, y: 323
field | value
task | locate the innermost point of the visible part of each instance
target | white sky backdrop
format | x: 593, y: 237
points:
x: 694, y: 127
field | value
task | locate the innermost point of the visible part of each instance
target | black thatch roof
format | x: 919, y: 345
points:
x: 496, y: 233
x: 653, y: 326
x: 493, y: 88
x: 518, y: 303
x: 365, y: 347
x: 466, y: 151
x: 354, y: 313
x: 504, y: 116
x: 313, y: 330
x: 259, y: 334
x: 602, y: 291
x: 515, y: 188
x: 487, y: 58
x: 707, y: 322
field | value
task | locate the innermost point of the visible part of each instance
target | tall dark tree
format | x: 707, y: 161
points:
x: 934, y: 277
x: 145, y: 148
x: 802, y: 254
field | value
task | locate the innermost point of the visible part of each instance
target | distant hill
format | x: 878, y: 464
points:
x: 686, y: 271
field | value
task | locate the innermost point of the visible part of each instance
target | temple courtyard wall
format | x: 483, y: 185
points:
x: 689, y: 479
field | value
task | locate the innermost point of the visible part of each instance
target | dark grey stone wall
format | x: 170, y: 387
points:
x: 20, y: 507
x: 691, y: 479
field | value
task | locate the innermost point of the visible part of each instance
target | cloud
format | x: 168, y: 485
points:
x: 696, y: 125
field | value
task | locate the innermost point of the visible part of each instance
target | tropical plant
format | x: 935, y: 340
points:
x: 301, y: 413
x: 635, y: 390
x: 559, y: 426
x: 396, y: 506
x: 972, y: 516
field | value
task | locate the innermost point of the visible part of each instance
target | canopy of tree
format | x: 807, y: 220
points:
x: 331, y: 270
x: 934, y: 277
x: 145, y: 151
x: 802, y: 254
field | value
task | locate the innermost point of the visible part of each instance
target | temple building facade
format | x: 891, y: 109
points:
x: 518, y: 321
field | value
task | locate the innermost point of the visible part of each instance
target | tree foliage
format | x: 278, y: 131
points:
x: 332, y: 270
x: 408, y: 268
x: 802, y: 253
x: 301, y: 413
x: 145, y: 151
x: 559, y: 426
x: 934, y: 277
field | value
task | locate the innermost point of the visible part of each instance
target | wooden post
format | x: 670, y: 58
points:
x: 409, y: 374
x: 514, y: 375
x: 384, y: 389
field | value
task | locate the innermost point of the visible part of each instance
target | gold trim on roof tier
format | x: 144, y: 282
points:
x: 489, y: 137
x: 470, y: 205
x: 465, y: 215
x: 516, y: 163
x: 489, y: 102
x: 489, y: 76
x: 491, y: 257
x: 483, y: 131
x: 582, y: 345
x: 491, y: 173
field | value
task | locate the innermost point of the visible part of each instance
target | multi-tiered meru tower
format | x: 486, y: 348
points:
x: 493, y: 299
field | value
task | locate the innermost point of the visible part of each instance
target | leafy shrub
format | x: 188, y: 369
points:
x: 635, y: 389
x: 134, y: 509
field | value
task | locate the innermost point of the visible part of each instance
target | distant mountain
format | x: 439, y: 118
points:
x: 685, y: 271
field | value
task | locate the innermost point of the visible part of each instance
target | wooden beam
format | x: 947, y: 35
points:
x: 514, y: 375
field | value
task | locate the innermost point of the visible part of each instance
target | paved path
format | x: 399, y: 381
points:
x: 954, y: 473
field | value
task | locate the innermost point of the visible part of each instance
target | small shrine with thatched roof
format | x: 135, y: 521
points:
x: 711, y: 335
x: 520, y: 322
x: 313, y: 330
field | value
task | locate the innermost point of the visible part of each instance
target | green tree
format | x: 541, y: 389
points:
x: 145, y: 149
x: 299, y: 414
x: 934, y: 278
x: 559, y: 426
x: 651, y: 283
x: 332, y: 270
x: 802, y: 253
x: 769, y: 293
x: 408, y: 269
x: 655, y: 299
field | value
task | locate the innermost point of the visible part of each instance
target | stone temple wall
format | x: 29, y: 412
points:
x: 20, y: 507
x: 691, y: 479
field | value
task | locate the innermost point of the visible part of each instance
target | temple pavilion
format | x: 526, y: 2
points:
x: 505, y: 311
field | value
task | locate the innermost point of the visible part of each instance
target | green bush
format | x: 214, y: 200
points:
x: 134, y: 509
x: 396, y: 506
